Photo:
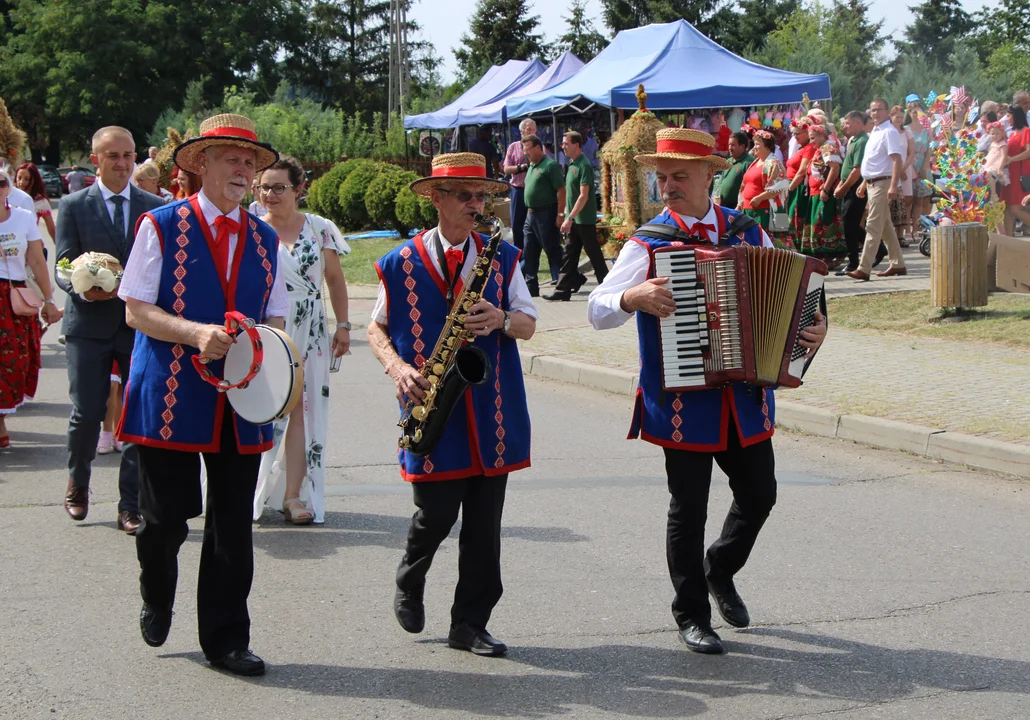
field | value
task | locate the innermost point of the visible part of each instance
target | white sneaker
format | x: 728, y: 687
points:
x: 105, y: 445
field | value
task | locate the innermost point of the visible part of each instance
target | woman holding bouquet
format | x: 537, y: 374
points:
x: 20, y: 246
x: 309, y: 249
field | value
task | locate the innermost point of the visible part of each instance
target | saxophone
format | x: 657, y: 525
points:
x: 455, y: 365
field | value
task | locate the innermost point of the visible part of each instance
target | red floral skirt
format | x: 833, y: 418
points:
x: 19, y: 353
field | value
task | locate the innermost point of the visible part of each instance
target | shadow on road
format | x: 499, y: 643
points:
x: 645, y: 681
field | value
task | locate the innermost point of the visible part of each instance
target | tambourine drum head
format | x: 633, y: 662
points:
x: 277, y: 388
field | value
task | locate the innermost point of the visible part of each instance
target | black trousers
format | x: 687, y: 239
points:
x: 518, y: 215
x: 481, y: 500
x: 581, y: 237
x: 89, y: 385
x: 169, y: 496
x: 851, y: 209
x: 540, y: 233
x: 752, y: 479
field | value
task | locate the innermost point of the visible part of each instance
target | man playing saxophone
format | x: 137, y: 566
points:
x: 488, y: 434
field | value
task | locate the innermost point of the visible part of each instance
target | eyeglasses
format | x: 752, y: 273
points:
x: 274, y: 189
x: 464, y: 196
x: 3, y: 184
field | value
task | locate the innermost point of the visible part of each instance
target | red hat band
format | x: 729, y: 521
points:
x: 460, y: 171
x: 684, y: 147
x: 235, y: 132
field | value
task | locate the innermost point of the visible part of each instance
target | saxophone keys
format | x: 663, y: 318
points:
x: 418, y: 435
x: 433, y: 380
x: 439, y: 369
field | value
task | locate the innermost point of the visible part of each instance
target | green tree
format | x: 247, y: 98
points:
x: 580, y: 36
x: 702, y: 14
x: 500, y: 30
x: 1009, y: 66
x: 749, y: 23
x: 935, y: 27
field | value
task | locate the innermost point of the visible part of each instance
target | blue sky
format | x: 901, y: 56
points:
x: 444, y: 21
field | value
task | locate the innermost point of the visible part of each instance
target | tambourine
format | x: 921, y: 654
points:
x: 263, y: 378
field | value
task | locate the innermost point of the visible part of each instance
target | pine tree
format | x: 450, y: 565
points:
x: 937, y: 24
x: 861, y: 42
x: 12, y: 140
x: 581, y: 38
x: 500, y: 30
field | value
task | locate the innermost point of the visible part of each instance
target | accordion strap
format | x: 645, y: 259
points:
x: 656, y: 231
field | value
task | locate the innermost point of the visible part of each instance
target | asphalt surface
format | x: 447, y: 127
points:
x: 883, y: 586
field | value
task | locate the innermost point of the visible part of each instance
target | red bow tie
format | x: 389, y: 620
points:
x: 455, y: 259
x: 701, y: 230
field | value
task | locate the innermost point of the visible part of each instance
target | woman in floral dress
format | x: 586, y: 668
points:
x: 824, y: 234
x: 308, y: 246
x: 921, y: 191
x: 763, y: 189
x: 799, y: 204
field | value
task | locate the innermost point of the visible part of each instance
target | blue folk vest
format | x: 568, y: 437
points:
x: 699, y: 420
x: 167, y: 404
x: 488, y: 433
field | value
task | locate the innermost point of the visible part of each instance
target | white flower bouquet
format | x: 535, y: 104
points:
x: 91, y: 270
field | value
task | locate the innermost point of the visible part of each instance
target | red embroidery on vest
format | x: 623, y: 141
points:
x: 269, y: 277
x: 677, y: 405
x: 495, y: 265
x: 180, y: 257
x: 170, y: 400
x: 765, y: 411
x: 414, y: 314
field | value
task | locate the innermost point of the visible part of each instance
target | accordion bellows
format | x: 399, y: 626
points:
x: 739, y: 314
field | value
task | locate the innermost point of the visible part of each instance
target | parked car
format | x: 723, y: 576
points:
x: 52, y: 180
x: 89, y: 178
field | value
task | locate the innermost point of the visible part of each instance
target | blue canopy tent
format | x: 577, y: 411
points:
x: 499, y: 82
x: 564, y: 67
x: 680, y: 69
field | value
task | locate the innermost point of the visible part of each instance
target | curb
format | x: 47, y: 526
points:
x: 977, y: 452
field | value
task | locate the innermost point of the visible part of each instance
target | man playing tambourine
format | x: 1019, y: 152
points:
x: 193, y: 261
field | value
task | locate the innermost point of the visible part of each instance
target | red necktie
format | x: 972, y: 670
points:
x: 225, y: 226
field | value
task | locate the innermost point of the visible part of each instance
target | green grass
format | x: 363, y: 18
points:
x: 359, y: 265
x: 1005, y: 320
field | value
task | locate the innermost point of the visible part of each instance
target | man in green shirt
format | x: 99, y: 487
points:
x: 853, y: 206
x: 740, y: 160
x: 580, y: 221
x: 545, y: 194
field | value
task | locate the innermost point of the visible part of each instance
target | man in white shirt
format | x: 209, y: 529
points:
x: 194, y: 261
x: 731, y: 425
x: 487, y: 436
x: 881, y: 168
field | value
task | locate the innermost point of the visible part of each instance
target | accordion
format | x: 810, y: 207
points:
x: 739, y: 314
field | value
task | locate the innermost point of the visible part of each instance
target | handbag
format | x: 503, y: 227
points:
x: 24, y: 300
x: 779, y: 222
x: 1024, y: 182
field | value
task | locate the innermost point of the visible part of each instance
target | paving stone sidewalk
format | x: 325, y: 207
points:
x: 923, y: 381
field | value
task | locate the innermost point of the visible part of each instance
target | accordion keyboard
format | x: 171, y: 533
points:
x: 813, y: 295
x: 684, y: 333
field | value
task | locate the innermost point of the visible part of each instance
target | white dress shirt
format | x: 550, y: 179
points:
x: 518, y: 292
x: 107, y: 193
x: 884, y: 141
x: 142, y: 277
x: 604, y: 306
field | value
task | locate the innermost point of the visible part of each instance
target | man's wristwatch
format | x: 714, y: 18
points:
x: 507, y: 322
x: 343, y: 325
x: 50, y: 301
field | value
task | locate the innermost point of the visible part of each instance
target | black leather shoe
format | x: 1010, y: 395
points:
x: 580, y: 282
x: 728, y: 602
x: 560, y: 295
x: 409, y: 609
x: 701, y: 638
x: 480, y: 642
x: 154, y: 625
x: 240, y: 662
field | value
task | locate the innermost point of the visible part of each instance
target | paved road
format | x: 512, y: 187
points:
x: 884, y: 586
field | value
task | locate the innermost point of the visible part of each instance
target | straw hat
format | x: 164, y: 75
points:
x: 458, y: 167
x: 684, y: 144
x: 227, y: 129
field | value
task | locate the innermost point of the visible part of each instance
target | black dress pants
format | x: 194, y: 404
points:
x: 581, y: 237
x: 89, y: 386
x: 518, y: 215
x: 752, y: 479
x: 169, y: 495
x: 481, y: 500
x: 540, y: 234
x: 851, y: 209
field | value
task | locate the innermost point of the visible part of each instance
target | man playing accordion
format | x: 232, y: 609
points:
x: 732, y: 425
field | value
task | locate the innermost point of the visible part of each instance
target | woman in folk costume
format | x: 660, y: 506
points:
x: 763, y: 190
x: 824, y: 234
x: 192, y: 262
x: 799, y: 204
x: 309, y: 247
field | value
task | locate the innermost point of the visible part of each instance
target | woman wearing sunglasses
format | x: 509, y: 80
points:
x: 309, y: 249
x: 20, y: 246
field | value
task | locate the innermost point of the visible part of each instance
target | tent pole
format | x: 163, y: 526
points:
x: 554, y: 134
x: 611, y: 120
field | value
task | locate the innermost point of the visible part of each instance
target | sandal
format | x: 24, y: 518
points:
x: 296, y: 512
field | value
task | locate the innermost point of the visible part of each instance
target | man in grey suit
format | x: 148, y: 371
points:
x: 101, y: 218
